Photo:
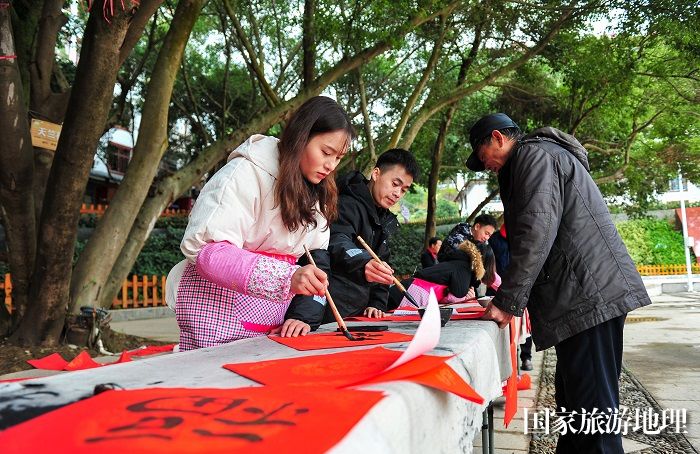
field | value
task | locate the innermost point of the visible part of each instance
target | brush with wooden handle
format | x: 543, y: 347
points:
x: 336, y: 314
x: 398, y: 283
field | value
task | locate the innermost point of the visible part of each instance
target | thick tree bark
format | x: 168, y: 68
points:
x: 45, y: 103
x: 88, y: 109
x: 102, y: 250
x: 16, y: 176
x: 173, y: 186
x: 309, y: 43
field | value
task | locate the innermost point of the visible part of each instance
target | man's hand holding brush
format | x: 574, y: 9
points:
x: 379, y: 272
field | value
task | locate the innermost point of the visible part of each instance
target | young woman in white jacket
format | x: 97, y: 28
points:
x: 249, y: 226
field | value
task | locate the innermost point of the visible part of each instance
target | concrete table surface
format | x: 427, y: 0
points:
x: 411, y: 418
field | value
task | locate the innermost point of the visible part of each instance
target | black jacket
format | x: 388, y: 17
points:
x: 357, y: 215
x: 499, y: 244
x: 568, y: 264
x: 427, y: 260
x: 459, y: 233
x: 455, y: 272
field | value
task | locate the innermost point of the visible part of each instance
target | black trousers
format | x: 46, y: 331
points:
x: 587, y: 377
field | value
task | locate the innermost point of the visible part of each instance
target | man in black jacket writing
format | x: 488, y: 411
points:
x: 568, y: 265
x: 358, y: 284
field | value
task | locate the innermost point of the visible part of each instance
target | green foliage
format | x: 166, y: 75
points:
x: 160, y: 253
x: 446, y: 209
x: 406, y: 247
x: 652, y: 241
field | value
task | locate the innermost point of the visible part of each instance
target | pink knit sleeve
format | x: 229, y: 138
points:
x: 246, y: 272
x: 451, y: 299
x: 496, y: 283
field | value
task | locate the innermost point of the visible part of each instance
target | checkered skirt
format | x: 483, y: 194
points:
x: 209, y: 314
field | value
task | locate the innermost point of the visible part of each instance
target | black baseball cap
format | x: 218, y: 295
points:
x: 482, y: 128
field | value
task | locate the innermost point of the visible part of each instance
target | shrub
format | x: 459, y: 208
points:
x: 406, y: 247
x: 652, y: 241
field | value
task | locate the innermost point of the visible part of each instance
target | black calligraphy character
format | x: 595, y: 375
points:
x: 264, y: 419
x: 201, y: 405
x: 147, y: 424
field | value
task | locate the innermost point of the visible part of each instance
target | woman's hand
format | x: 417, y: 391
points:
x: 292, y: 328
x: 309, y: 280
x: 379, y: 272
x: 373, y: 312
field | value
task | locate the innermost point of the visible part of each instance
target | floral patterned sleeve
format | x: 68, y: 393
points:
x: 246, y: 272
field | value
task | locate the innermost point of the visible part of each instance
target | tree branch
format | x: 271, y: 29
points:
x: 255, y: 64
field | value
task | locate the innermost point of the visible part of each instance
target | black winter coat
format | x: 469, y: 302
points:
x: 568, y: 264
x: 357, y: 215
x: 455, y: 272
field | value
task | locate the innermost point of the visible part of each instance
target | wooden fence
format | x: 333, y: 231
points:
x: 138, y: 291
x: 100, y: 209
x: 149, y: 291
x: 666, y: 270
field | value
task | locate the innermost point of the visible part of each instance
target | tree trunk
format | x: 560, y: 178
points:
x: 99, y: 256
x: 87, y: 111
x: 16, y: 175
x: 45, y: 103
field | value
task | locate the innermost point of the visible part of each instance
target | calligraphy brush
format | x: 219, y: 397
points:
x: 336, y: 314
x: 398, y: 283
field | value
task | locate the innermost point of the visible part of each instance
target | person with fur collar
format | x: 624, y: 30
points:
x: 452, y: 279
x: 249, y: 226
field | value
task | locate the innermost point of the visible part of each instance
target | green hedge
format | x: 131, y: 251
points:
x: 652, y: 241
x: 406, y: 247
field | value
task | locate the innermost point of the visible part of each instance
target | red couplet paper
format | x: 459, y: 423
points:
x: 53, y: 361
x: 413, y: 318
x: 338, y: 340
x: 470, y: 309
x: 82, y: 361
x: 152, y: 350
x: 355, y: 368
x: 159, y: 420
x: 512, y: 384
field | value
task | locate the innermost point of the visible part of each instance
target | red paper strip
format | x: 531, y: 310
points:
x: 471, y: 309
x: 354, y: 368
x: 512, y: 383
x: 338, y: 340
x: 152, y: 349
x: 82, y: 361
x: 54, y: 361
x: 125, y: 357
x: 10, y: 380
x: 413, y: 318
x: 157, y: 420
x: 446, y: 379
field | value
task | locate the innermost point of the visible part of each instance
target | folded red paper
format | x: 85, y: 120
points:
x: 54, y: 361
x: 354, y: 368
x: 157, y: 420
x: 338, y: 340
x: 82, y: 361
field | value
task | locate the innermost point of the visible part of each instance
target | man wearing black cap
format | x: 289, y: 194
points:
x: 568, y: 265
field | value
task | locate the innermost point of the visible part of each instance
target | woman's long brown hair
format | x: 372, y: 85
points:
x: 297, y: 197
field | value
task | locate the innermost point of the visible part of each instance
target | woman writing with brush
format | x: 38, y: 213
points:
x: 249, y: 226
